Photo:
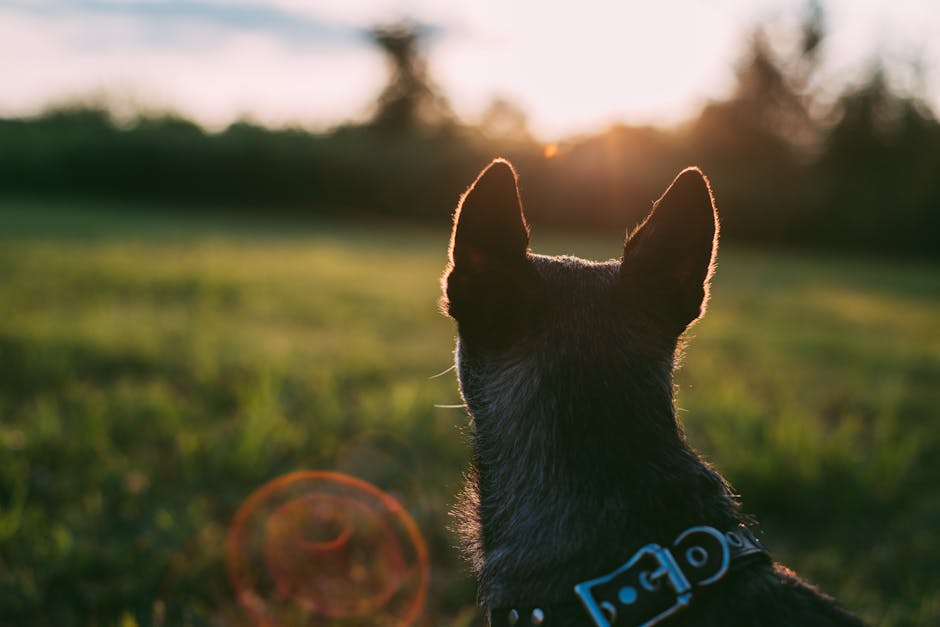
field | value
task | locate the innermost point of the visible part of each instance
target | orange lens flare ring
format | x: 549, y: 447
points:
x: 320, y: 546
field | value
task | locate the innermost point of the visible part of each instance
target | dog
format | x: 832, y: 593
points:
x: 584, y: 504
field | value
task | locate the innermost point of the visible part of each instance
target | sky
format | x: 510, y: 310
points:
x: 573, y: 67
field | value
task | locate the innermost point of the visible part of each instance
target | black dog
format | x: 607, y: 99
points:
x: 585, y: 504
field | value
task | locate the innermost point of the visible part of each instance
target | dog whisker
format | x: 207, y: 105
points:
x: 442, y: 373
x: 460, y: 406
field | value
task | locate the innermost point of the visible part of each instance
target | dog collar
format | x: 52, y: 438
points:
x: 655, y: 583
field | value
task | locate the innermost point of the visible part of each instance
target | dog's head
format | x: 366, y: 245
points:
x: 528, y: 321
x: 566, y: 364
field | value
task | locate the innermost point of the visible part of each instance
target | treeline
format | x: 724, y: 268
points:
x: 168, y: 160
x: 860, y: 172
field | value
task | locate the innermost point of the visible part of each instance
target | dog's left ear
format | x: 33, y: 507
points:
x: 488, y: 271
x: 668, y: 260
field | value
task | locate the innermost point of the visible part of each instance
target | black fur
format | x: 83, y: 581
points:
x: 566, y: 367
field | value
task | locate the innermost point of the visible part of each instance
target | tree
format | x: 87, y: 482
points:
x: 410, y: 100
x: 879, y: 170
x: 764, y: 135
x: 505, y: 121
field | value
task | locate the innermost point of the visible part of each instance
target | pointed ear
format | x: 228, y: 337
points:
x: 668, y: 260
x: 488, y: 248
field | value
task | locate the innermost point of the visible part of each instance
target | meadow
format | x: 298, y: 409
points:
x: 156, y: 369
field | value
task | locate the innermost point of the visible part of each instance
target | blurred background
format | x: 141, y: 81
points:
x: 222, y: 226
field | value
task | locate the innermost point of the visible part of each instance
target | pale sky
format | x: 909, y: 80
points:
x: 573, y: 67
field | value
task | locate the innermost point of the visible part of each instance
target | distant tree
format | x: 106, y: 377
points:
x: 505, y: 121
x: 879, y: 169
x: 410, y: 100
x: 766, y: 133
x: 773, y: 96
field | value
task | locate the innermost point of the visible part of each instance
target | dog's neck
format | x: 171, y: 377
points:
x: 564, y: 503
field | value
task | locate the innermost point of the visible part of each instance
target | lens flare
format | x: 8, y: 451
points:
x: 324, y: 548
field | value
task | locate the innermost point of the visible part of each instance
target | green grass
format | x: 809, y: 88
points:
x: 155, y: 371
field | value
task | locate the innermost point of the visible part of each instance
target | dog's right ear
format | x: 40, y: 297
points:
x: 488, y: 266
x: 669, y: 259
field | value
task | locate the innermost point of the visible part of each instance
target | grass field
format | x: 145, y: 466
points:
x: 155, y: 371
